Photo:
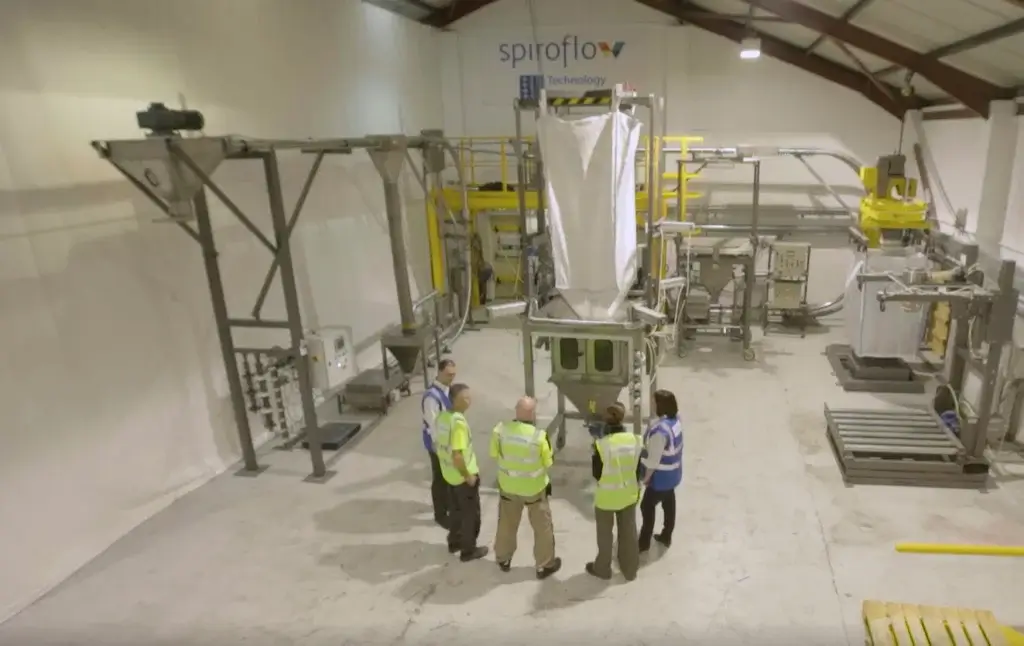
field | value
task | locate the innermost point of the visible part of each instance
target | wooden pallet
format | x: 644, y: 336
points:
x: 901, y: 624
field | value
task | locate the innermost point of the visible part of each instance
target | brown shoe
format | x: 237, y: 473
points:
x: 476, y: 554
x: 593, y: 572
x: 550, y: 569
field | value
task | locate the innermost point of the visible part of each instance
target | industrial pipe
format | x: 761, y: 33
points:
x: 964, y: 550
x: 396, y: 231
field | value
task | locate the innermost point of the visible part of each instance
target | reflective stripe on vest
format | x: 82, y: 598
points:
x: 672, y: 456
x: 443, y: 404
x: 521, y: 470
x: 443, y: 447
x: 618, y: 487
x: 530, y: 465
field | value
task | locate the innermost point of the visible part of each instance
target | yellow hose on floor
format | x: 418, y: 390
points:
x: 963, y: 550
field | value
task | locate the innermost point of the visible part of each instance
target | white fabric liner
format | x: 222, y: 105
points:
x: 894, y: 333
x: 590, y: 168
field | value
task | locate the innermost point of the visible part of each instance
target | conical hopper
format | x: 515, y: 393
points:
x: 151, y: 163
x: 589, y: 399
x: 406, y: 356
x: 406, y: 345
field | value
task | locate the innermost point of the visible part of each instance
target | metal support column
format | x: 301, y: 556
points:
x: 997, y: 179
x: 652, y: 213
x: 751, y: 274
x: 291, y: 303
x: 956, y: 362
x: 389, y: 159
x: 1003, y: 315
x: 221, y: 318
x: 525, y: 275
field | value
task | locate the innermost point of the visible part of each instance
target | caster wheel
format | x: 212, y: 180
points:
x: 748, y: 354
x: 560, y: 442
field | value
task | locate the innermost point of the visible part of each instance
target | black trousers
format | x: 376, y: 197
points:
x: 648, y: 508
x: 439, y: 493
x: 464, y: 518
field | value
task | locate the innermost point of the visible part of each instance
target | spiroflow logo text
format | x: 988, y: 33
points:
x: 570, y: 50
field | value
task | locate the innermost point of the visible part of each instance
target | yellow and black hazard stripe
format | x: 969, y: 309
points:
x: 580, y: 100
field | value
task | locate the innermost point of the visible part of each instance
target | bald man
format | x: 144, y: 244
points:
x: 524, y: 456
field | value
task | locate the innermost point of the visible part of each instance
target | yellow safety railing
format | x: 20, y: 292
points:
x: 491, y: 168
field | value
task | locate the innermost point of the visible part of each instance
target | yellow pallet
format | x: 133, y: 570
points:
x: 901, y: 624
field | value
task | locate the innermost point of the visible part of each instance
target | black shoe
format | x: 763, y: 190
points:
x: 645, y: 548
x: 545, y: 572
x: 505, y: 566
x: 478, y: 553
x: 441, y: 522
x: 664, y: 540
x: 453, y: 549
x: 592, y: 572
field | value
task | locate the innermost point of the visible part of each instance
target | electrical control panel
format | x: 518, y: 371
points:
x: 331, y: 357
x: 792, y: 260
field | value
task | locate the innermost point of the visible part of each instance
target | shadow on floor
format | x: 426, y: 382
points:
x: 374, y: 516
x: 417, y: 473
x: 456, y: 583
x: 377, y: 563
x: 558, y: 594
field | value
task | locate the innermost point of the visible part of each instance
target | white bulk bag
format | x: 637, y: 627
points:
x: 590, y: 168
x: 896, y: 332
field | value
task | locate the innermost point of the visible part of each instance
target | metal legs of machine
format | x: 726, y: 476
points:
x: 916, y: 447
x: 175, y: 173
x: 709, y: 265
x: 591, y: 364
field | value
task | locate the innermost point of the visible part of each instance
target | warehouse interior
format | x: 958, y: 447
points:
x: 148, y: 496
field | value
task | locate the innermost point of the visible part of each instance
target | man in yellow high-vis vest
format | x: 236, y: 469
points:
x: 524, y: 455
x: 453, y: 443
x: 616, y: 467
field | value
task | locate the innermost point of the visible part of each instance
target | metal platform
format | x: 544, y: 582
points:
x: 856, y: 374
x: 335, y: 435
x: 900, y: 447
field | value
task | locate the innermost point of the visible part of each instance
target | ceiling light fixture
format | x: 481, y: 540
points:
x: 750, y: 48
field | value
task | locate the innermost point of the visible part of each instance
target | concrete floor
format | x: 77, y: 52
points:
x: 771, y: 546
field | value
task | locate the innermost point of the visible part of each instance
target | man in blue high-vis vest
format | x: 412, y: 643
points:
x: 435, y: 401
x: 663, y: 470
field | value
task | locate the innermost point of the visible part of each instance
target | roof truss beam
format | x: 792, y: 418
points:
x: 847, y: 16
x: 966, y: 44
x: 443, y: 17
x: 891, y: 101
x: 971, y: 91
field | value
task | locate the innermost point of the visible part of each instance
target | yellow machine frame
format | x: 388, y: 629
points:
x: 488, y: 161
x: 891, y: 206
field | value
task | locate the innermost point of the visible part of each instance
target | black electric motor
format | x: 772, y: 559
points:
x: 161, y: 120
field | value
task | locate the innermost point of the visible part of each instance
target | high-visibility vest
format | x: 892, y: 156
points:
x: 443, y: 403
x: 443, y: 447
x: 669, y: 473
x: 521, y: 469
x: 618, y: 487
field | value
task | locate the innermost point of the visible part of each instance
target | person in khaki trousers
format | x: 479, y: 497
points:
x: 616, y: 467
x: 524, y: 455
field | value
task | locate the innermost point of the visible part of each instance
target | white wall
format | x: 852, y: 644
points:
x: 113, y: 390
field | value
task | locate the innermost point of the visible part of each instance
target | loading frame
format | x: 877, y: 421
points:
x: 175, y: 173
